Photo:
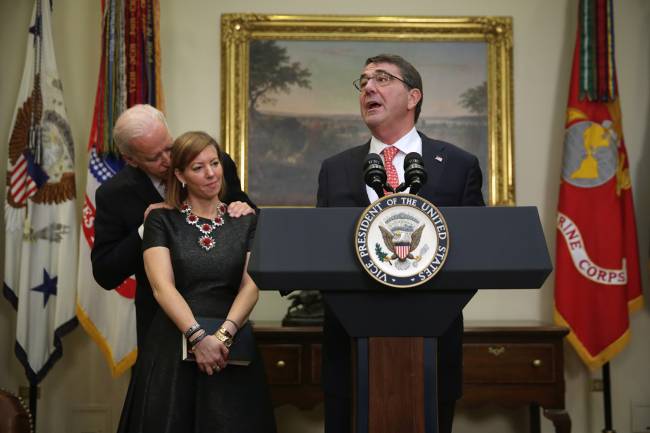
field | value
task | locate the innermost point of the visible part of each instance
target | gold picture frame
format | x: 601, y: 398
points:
x: 238, y: 31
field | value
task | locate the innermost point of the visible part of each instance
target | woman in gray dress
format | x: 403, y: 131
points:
x: 196, y: 258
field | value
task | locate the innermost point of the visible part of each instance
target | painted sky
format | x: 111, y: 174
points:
x: 448, y: 69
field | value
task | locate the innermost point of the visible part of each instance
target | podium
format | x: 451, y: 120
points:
x: 313, y: 249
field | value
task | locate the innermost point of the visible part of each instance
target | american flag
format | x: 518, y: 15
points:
x: 26, y: 178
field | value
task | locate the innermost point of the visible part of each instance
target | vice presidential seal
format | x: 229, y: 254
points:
x: 401, y: 240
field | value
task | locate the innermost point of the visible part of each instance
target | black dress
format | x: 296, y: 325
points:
x: 168, y: 395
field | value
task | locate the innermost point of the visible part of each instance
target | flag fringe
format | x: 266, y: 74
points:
x: 117, y: 368
x: 35, y: 377
x: 594, y: 362
x: 10, y: 296
x: 635, y: 304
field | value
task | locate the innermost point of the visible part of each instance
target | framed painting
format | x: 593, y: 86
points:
x: 288, y: 101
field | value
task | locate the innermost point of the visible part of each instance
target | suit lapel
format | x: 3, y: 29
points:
x: 435, y: 159
x: 354, y: 171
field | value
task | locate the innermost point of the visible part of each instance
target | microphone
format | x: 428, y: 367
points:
x: 415, y: 174
x: 374, y: 174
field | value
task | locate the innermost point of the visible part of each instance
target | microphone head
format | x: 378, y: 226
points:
x: 372, y: 158
x: 415, y: 174
x: 412, y: 157
x: 374, y: 173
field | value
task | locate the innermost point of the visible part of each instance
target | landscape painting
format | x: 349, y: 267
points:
x: 301, y: 108
x: 304, y: 108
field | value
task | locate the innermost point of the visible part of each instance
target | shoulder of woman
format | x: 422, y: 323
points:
x: 160, y: 214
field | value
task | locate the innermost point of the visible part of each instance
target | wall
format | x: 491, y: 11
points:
x: 543, y: 40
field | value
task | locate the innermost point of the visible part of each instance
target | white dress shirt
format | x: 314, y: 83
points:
x: 159, y: 184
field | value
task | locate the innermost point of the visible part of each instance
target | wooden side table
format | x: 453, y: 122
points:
x: 516, y: 363
x: 507, y: 363
x: 292, y: 358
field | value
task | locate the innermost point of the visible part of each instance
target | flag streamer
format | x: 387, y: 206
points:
x: 129, y: 74
x: 597, y: 67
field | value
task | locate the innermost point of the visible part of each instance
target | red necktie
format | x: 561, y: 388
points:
x: 389, y: 153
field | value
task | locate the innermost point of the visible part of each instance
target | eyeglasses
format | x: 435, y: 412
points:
x: 382, y: 79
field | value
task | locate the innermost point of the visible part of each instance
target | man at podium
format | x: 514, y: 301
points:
x: 390, y: 100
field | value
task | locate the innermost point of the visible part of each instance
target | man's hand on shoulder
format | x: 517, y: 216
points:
x: 153, y: 206
x: 237, y: 209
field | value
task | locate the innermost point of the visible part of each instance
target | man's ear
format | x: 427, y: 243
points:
x: 130, y: 160
x: 415, y: 95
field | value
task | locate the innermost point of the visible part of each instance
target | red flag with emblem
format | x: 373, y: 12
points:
x: 597, y: 278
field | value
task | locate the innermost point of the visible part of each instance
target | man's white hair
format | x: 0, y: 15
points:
x: 136, y: 122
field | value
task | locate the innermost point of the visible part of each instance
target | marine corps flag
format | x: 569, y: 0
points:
x: 597, y: 280
x: 40, y: 211
x: 129, y: 74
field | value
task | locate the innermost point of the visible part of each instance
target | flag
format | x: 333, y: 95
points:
x: 129, y: 74
x: 40, y: 210
x: 597, y: 277
x: 25, y: 178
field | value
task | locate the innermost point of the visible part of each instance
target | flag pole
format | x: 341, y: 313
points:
x: 607, y: 400
x: 33, y: 396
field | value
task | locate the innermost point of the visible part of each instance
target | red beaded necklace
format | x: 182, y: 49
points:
x: 206, y: 241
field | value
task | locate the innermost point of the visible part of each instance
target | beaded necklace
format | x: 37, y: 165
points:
x: 206, y: 241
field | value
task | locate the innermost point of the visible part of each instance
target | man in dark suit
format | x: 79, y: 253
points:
x: 124, y: 201
x: 390, y: 101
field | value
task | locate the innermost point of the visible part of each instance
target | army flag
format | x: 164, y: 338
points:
x: 597, y: 279
x: 40, y: 211
x: 129, y: 74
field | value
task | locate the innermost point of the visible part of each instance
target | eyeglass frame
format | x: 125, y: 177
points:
x: 357, y: 83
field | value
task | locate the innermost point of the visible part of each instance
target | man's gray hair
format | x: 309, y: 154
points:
x: 136, y: 122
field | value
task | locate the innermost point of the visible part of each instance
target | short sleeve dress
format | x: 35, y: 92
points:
x: 167, y: 395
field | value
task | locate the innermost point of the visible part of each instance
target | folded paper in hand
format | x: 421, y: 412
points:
x: 243, y: 345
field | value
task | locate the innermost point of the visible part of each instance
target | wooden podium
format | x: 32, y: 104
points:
x: 490, y: 248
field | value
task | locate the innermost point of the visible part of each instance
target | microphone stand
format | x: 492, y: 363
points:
x: 415, y: 187
x: 379, y: 189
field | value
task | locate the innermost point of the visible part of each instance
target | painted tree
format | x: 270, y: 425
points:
x: 474, y: 99
x: 272, y: 72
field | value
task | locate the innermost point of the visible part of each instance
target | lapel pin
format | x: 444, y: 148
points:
x: 438, y: 158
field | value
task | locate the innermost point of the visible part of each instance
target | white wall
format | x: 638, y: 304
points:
x: 544, y: 34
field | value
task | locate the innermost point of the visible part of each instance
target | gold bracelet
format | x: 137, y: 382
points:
x: 225, y: 332
x: 224, y: 336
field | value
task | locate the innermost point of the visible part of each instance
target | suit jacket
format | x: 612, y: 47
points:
x: 117, y: 251
x: 454, y: 179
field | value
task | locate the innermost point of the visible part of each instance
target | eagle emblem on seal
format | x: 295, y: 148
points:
x: 401, y: 235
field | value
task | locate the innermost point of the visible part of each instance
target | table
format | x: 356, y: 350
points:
x: 508, y: 363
